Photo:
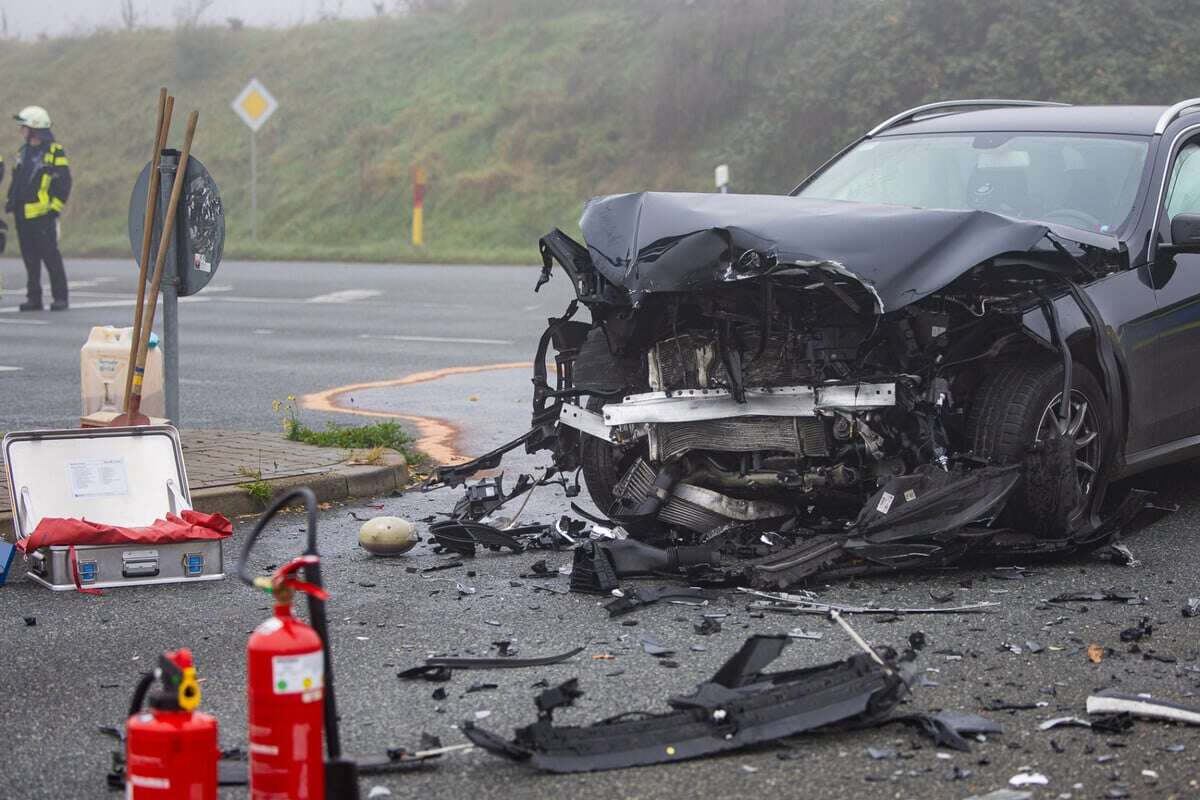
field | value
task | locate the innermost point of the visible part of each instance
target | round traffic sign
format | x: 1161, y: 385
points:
x: 199, y: 226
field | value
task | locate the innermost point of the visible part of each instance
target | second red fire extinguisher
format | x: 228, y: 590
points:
x: 290, y: 680
x: 286, y: 680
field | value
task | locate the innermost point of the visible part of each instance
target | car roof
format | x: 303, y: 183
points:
x: 1128, y: 120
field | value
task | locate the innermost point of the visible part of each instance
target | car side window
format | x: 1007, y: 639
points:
x: 1183, y: 196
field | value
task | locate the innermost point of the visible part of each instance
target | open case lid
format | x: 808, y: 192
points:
x: 118, y: 476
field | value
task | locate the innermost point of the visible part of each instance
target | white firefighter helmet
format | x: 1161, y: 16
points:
x: 34, y: 117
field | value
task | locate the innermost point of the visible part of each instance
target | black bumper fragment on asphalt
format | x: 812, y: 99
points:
x: 462, y: 536
x: 638, y: 597
x: 499, y: 663
x: 739, y: 706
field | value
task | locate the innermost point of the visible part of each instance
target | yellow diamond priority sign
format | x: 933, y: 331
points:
x: 255, y: 105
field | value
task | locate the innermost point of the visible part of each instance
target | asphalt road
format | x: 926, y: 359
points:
x: 263, y: 331
x: 74, y: 669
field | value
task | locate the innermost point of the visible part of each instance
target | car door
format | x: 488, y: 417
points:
x: 1177, y: 324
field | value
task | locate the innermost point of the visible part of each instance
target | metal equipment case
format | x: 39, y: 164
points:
x: 118, y: 476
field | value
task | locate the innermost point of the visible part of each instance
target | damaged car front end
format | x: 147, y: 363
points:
x: 775, y: 386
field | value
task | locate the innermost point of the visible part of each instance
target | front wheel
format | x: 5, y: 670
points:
x: 603, y: 464
x: 1016, y: 409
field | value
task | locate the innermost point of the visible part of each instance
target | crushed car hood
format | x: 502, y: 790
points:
x: 670, y: 242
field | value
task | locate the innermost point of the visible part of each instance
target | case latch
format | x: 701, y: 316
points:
x: 139, y: 563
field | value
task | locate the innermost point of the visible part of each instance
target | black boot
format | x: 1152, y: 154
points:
x: 30, y: 306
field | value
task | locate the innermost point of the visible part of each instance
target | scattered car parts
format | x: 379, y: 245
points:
x: 1142, y: 706
x: 634, y: 598
x: 800, y: 604
x: 449, y: 662
x: 950, y: 728
x: 739, y: 706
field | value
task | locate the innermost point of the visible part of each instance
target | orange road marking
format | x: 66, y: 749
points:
x: 436, y: 437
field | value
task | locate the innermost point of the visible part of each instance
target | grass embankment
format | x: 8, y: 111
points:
x: 519, y: 110
x: 486, y: 110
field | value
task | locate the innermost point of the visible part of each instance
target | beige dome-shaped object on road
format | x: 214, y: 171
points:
x: 388, y: 536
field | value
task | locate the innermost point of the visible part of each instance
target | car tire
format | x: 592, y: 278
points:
x: 603, y: 464
x: 1011, y: 408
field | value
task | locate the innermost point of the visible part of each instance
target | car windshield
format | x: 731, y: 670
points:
x: 1083, y: 181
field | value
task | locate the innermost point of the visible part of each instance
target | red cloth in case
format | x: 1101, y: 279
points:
x: 187, y: 526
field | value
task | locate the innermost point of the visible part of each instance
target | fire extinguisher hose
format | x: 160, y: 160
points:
x: 316, y: 606
x: 139, y: 694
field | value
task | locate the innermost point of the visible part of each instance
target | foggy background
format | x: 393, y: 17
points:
x: 518, y: 111
x: 32, y: 18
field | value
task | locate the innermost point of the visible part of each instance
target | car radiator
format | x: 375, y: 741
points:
x: 800, y: 435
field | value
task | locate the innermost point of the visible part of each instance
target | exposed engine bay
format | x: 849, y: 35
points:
x: 772, y: 386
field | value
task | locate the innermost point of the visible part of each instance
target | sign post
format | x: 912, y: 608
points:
x: 418, y: 214
x: 721, y: 175
x: 194, y: 252
x: 254, y: 105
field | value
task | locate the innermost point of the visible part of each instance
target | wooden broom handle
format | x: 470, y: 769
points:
x: 160, y: 260
x: 165, y: 106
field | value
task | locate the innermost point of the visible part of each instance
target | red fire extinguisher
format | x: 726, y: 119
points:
x: 286, y: 681
x: 171, y: 750
x: 290, y: 680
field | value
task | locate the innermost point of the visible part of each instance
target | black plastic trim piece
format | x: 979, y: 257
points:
x: 500, y: 663
x: 739, y: 706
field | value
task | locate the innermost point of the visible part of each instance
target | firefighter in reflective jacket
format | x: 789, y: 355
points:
x: 41, y: 184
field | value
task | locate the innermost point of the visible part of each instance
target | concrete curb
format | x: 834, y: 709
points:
x: 341, y: 482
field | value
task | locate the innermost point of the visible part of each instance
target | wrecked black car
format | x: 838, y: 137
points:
x: 950, y: 338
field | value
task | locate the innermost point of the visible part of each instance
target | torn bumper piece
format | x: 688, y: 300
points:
x: 946, y: 520
x: 457, y: 474
x: 738, y: 706
x: 462, y: 536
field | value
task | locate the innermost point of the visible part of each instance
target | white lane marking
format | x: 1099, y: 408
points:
x: 346, y: 296
x: 9, y: 369
x: 90, y: 282
x: 132, y: 301
x: 283, y: 301
x: 74, y: 293
x: 24, y: 322
x: 263, y: 331
x: 109, y: 304
x: 445, y: 306
x: 446, y: 339
x: 219, y: 287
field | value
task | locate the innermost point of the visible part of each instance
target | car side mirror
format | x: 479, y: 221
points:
x: 1185, y: 233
